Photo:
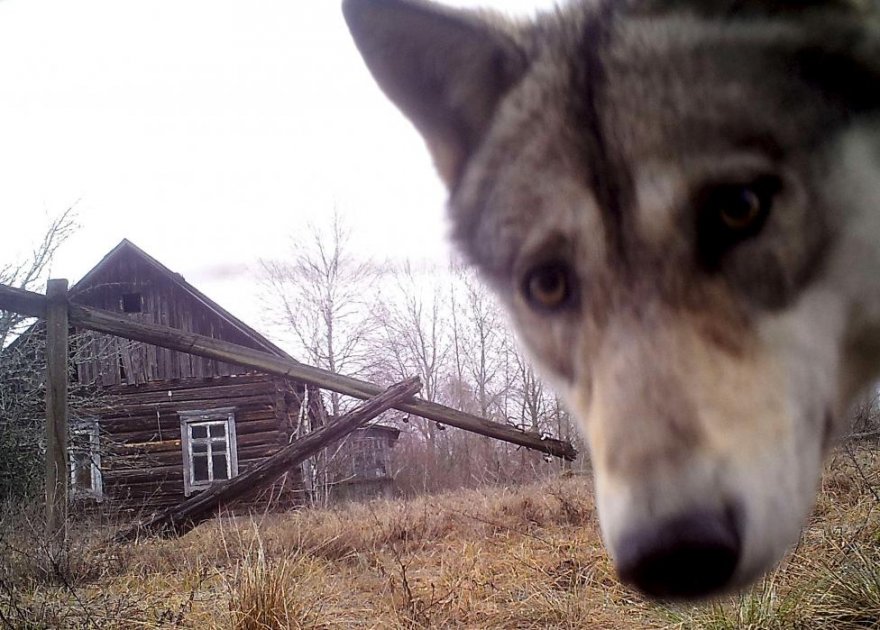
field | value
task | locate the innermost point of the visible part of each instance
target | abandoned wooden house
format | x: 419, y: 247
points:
x: 169, y: 424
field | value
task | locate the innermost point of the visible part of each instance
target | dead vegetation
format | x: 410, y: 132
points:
x: 527, y: 557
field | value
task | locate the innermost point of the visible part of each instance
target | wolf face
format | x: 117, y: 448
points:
x: 677, y: 202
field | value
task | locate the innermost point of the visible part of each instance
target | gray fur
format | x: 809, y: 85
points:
x: 596, y: 147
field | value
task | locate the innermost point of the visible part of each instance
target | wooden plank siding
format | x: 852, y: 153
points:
x: 112, y: 361
x: 142, y: 460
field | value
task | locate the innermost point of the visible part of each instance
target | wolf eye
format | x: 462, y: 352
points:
x: 548, y: 286
x: 730, y: 213
x: 741, y: 209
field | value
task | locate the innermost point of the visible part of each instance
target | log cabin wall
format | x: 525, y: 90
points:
x: 142, y: 461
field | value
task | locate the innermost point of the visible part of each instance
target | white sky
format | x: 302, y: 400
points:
x: 205, y: 131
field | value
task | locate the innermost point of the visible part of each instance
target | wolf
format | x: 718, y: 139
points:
x: 677, y: 203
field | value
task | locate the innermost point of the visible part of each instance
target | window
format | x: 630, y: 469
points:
x: 85, y: 461
x: 369, y: 458
x: 132, y: 303
x: 209, y: 449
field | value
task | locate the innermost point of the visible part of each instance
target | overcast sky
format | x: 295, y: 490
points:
x: 206, y: 132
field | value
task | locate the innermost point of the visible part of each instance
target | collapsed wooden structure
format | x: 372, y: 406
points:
x: 176, y: 391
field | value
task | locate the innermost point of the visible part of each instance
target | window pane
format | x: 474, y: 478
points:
x: 220, y: 466
x: 199, y: 431
x: 200, y: 447
x: 219, y: 446
x: 218, y: 430
x: 82, y: 471
x: 200, y: 468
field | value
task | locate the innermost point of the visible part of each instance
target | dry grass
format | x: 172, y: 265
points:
x: 499, y: 558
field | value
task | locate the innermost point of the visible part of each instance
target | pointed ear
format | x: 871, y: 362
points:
x: 445, y: 69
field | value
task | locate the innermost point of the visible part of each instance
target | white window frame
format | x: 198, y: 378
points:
x: 90, y: 429
x: 189, y: 419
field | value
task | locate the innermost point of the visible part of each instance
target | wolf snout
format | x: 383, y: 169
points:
x: 689, y: 556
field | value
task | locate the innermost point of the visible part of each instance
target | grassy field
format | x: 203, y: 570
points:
x: 525, y: 557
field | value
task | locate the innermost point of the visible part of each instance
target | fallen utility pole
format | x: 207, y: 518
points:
x: 113, y: 324
x: 179, y: 519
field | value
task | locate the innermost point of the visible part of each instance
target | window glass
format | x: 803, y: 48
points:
x: 85, y: 461
x: 218, y: 430
x: 199, y: 430
x: 200, y: 468
x: 82, y: 471
x: 220, y: 471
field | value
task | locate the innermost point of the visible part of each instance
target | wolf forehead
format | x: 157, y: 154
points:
x: 610, y: 89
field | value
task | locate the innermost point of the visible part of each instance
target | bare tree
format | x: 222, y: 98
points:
x: 412, y: 337
x: 481, y: 341
x: 412, y: 330
x: 30, y: 272
x: 321, y: 296
x: 866, y: 418
x: 22, y: 365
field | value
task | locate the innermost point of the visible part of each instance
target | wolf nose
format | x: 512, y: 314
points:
x: 689, y: 556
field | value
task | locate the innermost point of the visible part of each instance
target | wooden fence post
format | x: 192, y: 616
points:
x: 57, y: 465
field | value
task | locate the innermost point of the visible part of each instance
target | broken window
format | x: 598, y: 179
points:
x: 132, y: 303
x: 209, y: 448
x: 85, y: 461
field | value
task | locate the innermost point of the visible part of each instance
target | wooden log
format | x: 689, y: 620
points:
x: 56, y: 411
x: 124, y: 408
x: 155, y: 487
x: 206, y: 391
x: 254, y: 379
x: 181, y: 518
x: 23, y: 302
x: 122, y: 477
x: 152, y: 435
x: 113, y: 324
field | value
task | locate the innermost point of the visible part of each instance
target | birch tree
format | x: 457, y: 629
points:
x: 320, y: 296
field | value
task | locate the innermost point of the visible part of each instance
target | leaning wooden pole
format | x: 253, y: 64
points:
x: 56, y: 410
x: 113, y: 324
x: 231, y: 353
x: 181, y: 518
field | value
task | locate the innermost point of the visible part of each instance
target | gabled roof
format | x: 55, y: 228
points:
x: 127, y: 247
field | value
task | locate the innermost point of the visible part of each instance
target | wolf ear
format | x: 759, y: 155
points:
x: 445, y: 69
